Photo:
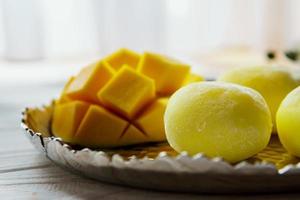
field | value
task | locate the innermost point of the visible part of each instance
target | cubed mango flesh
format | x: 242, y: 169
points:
x: 127, y: 92
x: 151, y: 121
x: 88, y: 82
x: 192, y: 78
x: 167, y: 73
x: 100, y: 127
x: 64, y: 97
x: 119, y: 100
x: 132, y: 135
x: 67, y: 118
x: 123, y: 57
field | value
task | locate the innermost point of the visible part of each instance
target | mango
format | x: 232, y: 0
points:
x: 272, y: 83
x: 87, y: 83
x: 119, y: 100
x: 100, y: 127
x: 132, y: 135
x: 64, y: 97
x: 123, y: 57
x: 192, y: 78
x: 218, y: 119
x: 288, y: 125
x: 167, y: 73
x: 67, y: 118
x: 151, y: 121
x: 127, y: 92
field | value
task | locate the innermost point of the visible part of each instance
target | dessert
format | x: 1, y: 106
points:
x: 288, y: 126
x: 119, y: 100
x: 218, y: 119
x: 272, y: 83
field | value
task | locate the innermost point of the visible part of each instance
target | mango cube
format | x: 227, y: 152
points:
x: 120, y: 100
x: 131, y: 136
x: 151, y: 120
x: 192, y: 78
x: 64, y: 97
x: 167, y: 73
x: 100, y: 127
x: 66, y: 119
x: 127, y: 92
x: 123, y: 57
x: 89, y: 81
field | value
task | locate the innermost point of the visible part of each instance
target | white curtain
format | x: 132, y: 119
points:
x: 35, y: 29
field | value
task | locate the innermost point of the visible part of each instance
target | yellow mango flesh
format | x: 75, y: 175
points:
x: 123, y: 107
x: 127, y: 92
x: 167, y: 73
x: 123, y: 57
x: 288, y: 126
x: 271, y: 82
x: 99, y: 127
x: 192, y: 78
x: 151, y: 121
x: 66, y: 119
x: 218, y: 119
x: 64, y: 97
x: 86, y: 85
x: 131, y: 136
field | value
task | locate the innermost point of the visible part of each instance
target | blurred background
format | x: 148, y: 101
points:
x: 35, y: 29
x: 77, y: 30
x: 43, y: 42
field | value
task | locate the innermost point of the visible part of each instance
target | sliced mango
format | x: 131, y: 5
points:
x: 100, y: 128
x: 151, y: 120
x: 66, y: 119
x: 127, y: 92
x: 131, y: 136
x: 192, y: 78
x: 119, y: 100
x: 64, y: 98
x: 123, y: 57
x: 167, y: 73
x: 89, y: 81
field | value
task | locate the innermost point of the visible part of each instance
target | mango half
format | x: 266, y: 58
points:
x: 273, y: 83
x: 218, y: 119
x: 288, y: 125
x: 119, y: 100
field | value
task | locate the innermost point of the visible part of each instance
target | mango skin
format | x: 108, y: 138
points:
x: 272, y: 83
x: 218, y: 119
x: 288, y: 125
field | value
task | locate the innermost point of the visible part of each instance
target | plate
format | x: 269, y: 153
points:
x: 157, y: 166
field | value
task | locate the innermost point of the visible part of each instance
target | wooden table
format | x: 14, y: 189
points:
x: 25, y: 174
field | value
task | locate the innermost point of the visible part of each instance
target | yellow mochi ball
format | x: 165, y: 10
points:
x: 218, y: 119
x: 288, y: 118
x: 273, y: 83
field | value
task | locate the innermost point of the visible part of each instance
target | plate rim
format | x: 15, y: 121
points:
x: 217, y: 164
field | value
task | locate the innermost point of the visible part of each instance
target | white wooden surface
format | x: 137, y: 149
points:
x: 25, y: 174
